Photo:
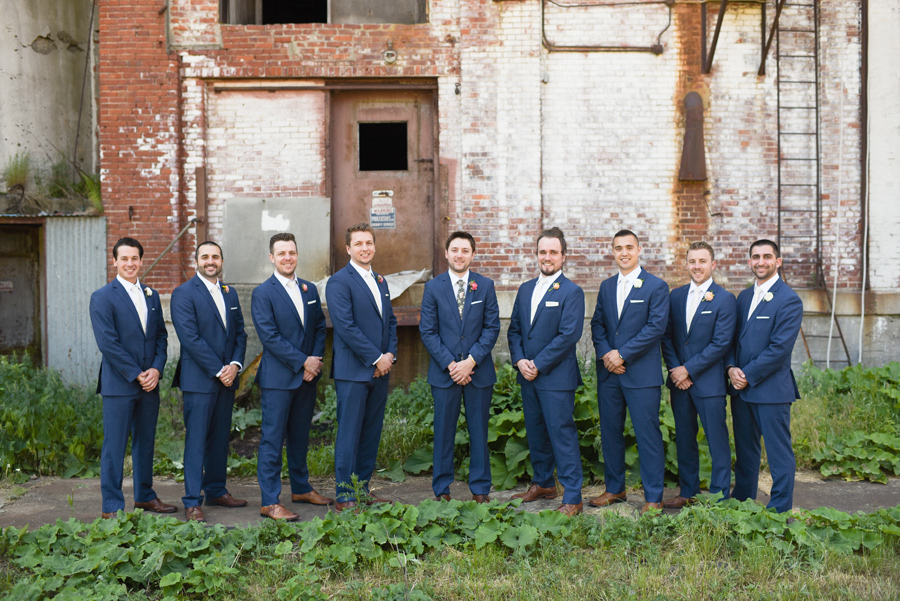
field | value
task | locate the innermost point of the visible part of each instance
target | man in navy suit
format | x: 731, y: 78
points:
x: 702, y: 315
x: 459, y: 324
x: 546, y: 323
x: 630, y: 318
x: 290, y: 323
x: 130, y: 331
x: 207, y: 317
x: 365, y: 348
x: 763, y: 386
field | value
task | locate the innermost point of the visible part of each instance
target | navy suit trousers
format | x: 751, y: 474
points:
x: 123, y: 415
x: 286, y: 415
x: 360, y: 415
x: 207, y: 425
x: 446, y: 415
x: 643, y: 405
x: 686, y: 407
x: 553, y: 439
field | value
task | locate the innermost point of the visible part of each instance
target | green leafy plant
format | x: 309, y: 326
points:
x: 861, y: 456
x: 19, y: 169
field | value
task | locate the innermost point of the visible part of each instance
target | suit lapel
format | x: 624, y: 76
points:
x: 285, y: 297
x: 700, y: 306
x: 542, y: 302
x: 470, y: 296
x: 446, y: 284
x: 126, y: 299
x: 204, y: 291
x: 354, y: 275
x: 631, y: 293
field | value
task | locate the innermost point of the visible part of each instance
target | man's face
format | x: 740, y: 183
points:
x: 700, y: 265
x: 362, y: 248
x: 763, y: 262
x: 128, y: 263
x: 459, y: 255
x: 209, y: 261
x: 284, y: 257
x: 626, y: 252
x: 550, y: 255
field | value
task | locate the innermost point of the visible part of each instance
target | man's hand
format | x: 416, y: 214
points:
x: 738, y: 379
x: 685, y: 384
x: 228, y: 375
x: 383, y: 366
x: 312, y: 367
x: 461, y: 372
x: 679, y: 375
x: 148, y: 379
x: 614, y: 362
x: 527, y: 369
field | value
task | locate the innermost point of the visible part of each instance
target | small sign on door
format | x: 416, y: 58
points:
x: 382, y: 214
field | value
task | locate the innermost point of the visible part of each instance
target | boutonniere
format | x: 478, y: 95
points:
x: 380, y: 280
x: 148, y: 291
x: 556, y: 285
x: 709, y: 296
x: 473, y: 286
x: 769, y: 296
x: 638, y: 283
x: 225, y: 288
x: 304, y: 287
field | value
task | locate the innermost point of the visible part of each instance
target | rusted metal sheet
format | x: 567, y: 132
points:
x: 20, y: 295
x: 398, y: 196
x: 75, y: 265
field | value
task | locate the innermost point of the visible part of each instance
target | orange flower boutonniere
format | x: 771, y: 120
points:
x: 304, y: 287
x: 709, y: 296
x: 556, y: 285
x: 225, y: 288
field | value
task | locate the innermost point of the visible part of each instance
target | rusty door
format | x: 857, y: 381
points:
x: 20, y: 329
x: 382, y: 157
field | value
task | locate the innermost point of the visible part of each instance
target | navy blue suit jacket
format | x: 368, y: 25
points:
x: 763, y: 345
x: 701, y: 351
x: 206, y: 344
x: 449, y: 338
x: 361, y: 335
x: 636, y: 335
x: 287, y: 342
x: 127, y: 351
x: 550, y: 340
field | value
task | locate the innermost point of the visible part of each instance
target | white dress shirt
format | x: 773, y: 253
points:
x: 136, y: 294
x: 540, y: 289
x: 368, y: 277
x: 292, y: 287
x: 760, y: 291
x: 695, y: 295
x: 623, y: 287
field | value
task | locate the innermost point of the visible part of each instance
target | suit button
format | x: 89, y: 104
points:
x: 462, y: 337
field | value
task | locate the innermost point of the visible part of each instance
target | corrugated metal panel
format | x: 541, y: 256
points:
x: 75, y: 264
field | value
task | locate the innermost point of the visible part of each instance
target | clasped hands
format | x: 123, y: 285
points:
x: 228, y: 374
x: 383, y: 366
x: 148, y: 379
x: 527, y: 369
x: 738, y: 378
x: 461, y: 371
x: 614, y: 362
x: 681, y: 378
x: 312, y: 367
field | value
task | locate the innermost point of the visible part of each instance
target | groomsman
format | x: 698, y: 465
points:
x: 459, y: 326
x: 545, y: 325
x: 207, y: 317
x: 702, y: 316
x: 128, y: 325
x: 763, y: 386
x: 630, y: 318
x: 290, y: 322
x: 365, y: 349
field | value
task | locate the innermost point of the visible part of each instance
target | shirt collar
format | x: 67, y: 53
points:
x: 362, y: 270
x: 209, y: 285
x: 285, y: 281
x: 549, y: 279
x: 128, y: 285
x: 455, y: 278
x: 631, y: 277
x: 702, y: 287
x: 767, y: 286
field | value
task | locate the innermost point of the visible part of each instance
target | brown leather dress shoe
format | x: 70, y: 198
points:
x: 481, y: 498
x: 443, y: 497
x: 608, y: 498
x: 312, y: 497
x: 194, y: 514
x: 376, y: 500
x: 340, y: 506
x: 648, y: 506
x: 278, y: 512
x: 679, y: 502
x: 570, y: 509
x: 227, y: 500
x: 536, y: 492
x: 108, y: 516
x: 156, y: 506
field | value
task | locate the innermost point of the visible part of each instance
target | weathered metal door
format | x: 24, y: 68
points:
x: 19, y: 290
x: 382, y: 151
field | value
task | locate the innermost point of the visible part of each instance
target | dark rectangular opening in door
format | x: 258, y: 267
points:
x: 382, y: 147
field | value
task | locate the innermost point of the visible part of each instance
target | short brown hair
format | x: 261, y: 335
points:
x: 703, y: 246
x: 623, y: 233
x: 765, y: 242
x: 462, y: 235
x: 362, y: 226
x: 282, y: 237
x: 554, y: 232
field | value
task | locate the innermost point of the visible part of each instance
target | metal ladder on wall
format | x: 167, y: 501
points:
x: 799, y: 174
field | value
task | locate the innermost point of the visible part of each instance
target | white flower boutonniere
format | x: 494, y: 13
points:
x: 148, y: 291
x: 769, y: 296
x: 638, y: 283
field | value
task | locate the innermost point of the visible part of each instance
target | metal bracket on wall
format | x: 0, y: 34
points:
x: 654, y: 49
x: 706, y: 57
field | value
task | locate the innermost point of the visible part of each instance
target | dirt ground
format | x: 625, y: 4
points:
x: 44, y: 500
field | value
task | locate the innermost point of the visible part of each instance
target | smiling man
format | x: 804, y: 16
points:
x: 769, y: 315
x: 130, y: 330
x: 364, y: 351
x: 702, y: 316
x: 459, y: 326
x: 545, y: 325
x: 210, y: 325
x: 290, y: 323
x: 630, y: 318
